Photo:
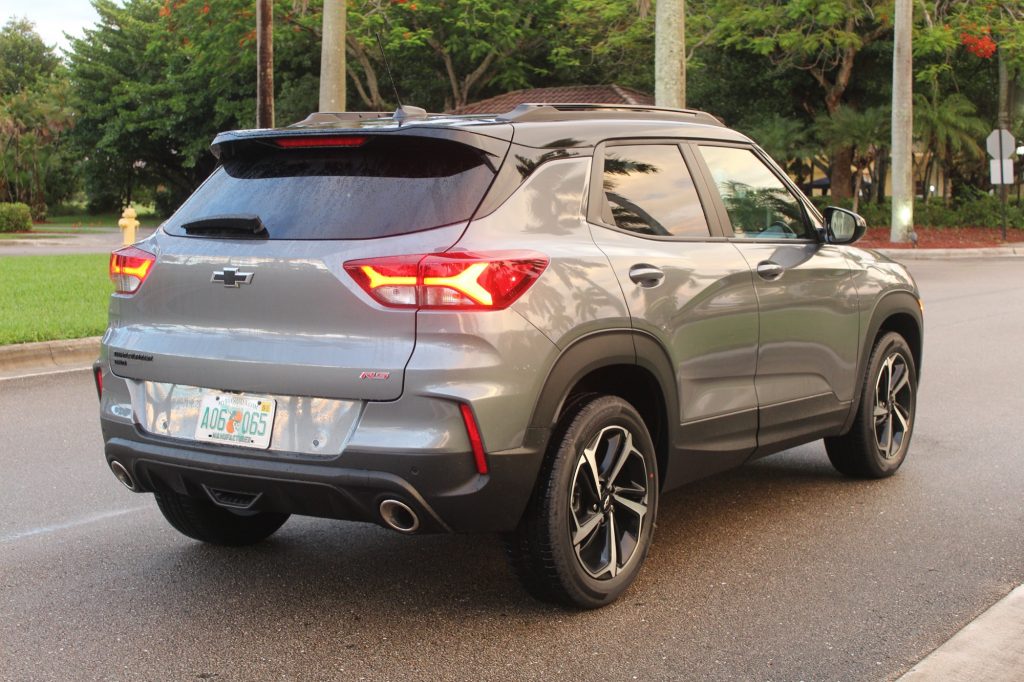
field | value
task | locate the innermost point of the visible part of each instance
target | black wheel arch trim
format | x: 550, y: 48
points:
x: 604, y: 349
x: 897, y: 302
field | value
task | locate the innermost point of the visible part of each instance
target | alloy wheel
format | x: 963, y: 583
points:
x: 608, y: 503
x: 893, y: 400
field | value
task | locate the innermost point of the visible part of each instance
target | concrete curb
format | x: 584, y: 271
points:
x: 48, y: 356
x: 988, y: 648
x: 1011, y: 251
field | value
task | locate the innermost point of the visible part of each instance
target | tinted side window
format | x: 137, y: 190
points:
x: 648, y: 190
x: 759, y: 205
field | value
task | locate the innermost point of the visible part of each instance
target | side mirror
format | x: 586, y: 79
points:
x: 843, y: 226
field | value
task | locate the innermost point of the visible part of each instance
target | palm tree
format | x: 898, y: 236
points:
x: 866, y: 132
x: 945, y: 127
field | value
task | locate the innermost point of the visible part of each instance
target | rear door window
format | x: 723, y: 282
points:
x: 387, y: 186
x: 648, y: 190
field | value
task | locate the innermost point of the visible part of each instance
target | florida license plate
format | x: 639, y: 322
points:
x: 232, y: 419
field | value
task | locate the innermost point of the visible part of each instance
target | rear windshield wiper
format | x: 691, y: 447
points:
x: 235, y: 226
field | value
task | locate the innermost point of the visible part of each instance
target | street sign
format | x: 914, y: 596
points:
x: 1000, y: 144
x: 1001, y: 171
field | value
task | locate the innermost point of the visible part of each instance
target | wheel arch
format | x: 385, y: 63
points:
x: 896, y: 311
x: 624, y: 363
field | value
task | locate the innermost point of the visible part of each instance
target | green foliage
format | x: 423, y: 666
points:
x: 53, y: 297
x: 24, y: 57
x: 154, y: 81
x: 36, y: 164
x: 15, y: 217
x: 607, y: 41
x: 976, y: 209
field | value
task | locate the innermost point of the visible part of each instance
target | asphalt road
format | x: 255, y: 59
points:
x: 781, y: 570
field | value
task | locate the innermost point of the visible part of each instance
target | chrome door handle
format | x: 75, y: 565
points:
x: 646, y: 275
x: 769, y: 270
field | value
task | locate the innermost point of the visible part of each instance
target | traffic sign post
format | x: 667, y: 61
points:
x: 1000, y: 146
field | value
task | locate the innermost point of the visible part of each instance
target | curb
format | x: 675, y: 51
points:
x: 950, y: 254
x: 988, y: 648
x: 25, y: 358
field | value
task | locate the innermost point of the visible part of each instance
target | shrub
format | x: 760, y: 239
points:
x: 15, y: 218
x: 971, y: 209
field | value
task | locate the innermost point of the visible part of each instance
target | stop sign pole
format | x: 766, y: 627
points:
x: 1000, y: 145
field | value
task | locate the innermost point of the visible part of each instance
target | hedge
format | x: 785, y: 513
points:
x: 977, y: 210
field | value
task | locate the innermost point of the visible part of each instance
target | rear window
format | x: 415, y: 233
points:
x: 386, y: 187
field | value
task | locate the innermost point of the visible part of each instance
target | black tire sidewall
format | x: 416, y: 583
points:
x: 587, y: 423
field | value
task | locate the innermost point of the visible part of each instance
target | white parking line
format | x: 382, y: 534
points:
x: 42, y: 530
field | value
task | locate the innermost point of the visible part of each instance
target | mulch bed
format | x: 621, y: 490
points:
x: 944, y: 238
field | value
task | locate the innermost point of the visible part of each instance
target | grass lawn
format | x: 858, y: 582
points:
x: 53, y: 297
x: 83, y: 222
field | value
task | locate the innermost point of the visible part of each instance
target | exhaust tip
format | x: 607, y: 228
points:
x: 121, y: 474
x: 399, y: 516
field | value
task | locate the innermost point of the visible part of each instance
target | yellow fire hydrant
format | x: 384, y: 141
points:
x: 128, y: 225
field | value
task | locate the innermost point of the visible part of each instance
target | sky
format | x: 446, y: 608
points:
x: 52, y: 18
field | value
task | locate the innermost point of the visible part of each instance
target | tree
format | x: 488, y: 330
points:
x: 864, y: 133
x: 24, y: 57
x: 154, y: 81
x: 35, y: 166
x: 946, y: 126
x: 820, y: 37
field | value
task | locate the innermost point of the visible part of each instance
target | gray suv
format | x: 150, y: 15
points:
x: 532, y: 323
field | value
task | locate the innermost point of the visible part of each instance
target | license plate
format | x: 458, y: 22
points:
x: 246, y: 421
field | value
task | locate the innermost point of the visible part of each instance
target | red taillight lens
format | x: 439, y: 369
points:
x: 307, y: 141
x: 461, y: 281
x: 129, y: 268
x: 97, y: 374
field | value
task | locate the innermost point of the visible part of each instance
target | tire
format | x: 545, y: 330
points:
x: 605, y: 435
x: 877, y: 443
x: 203, y: 520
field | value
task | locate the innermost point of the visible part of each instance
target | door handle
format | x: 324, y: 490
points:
x: 769, y: 270
x: 646, y: 275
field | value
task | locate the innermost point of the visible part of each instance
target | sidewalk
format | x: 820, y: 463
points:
x: 89, y: 242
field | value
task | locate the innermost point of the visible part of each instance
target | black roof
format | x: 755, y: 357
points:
x: 532, y: 125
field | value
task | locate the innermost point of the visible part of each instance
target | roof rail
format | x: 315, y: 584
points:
x: 575, y: 111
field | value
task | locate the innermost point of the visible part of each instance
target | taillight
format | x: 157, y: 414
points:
x: 460, y: 281
x: 129, y: 268
x: 97, y: 373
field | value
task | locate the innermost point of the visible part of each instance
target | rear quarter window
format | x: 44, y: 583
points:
x: 386, y: 187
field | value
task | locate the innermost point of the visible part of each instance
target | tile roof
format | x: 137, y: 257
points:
x: 579, y: 94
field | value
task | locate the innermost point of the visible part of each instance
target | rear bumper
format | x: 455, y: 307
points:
x: 350, y: 487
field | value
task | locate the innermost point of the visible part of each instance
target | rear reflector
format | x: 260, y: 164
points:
x: 479, y: 458
x: 129, y: 268
x: 449, y: 281
x: 306, y: 141
x: 97, y: 374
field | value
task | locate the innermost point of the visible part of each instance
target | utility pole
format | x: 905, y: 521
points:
x: 264, y: 64
x: 902, y: 125
x: 332, y: 57
x: 670, y: 53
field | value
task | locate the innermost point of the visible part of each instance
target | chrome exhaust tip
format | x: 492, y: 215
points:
x: 121, y: 474
x: 399, y: 516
